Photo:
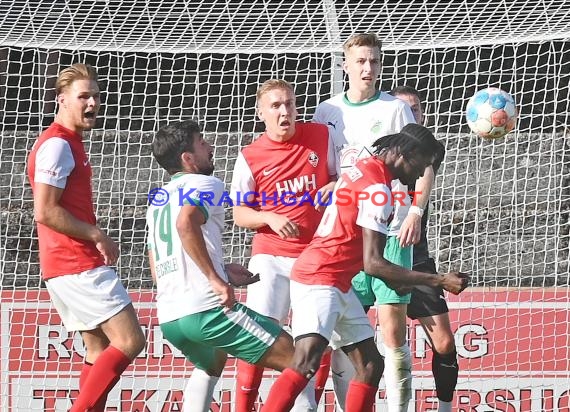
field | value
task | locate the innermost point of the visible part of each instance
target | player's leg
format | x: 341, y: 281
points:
x: 428, y: 305
x: 96, y: 300
x: 354, y: 326
x: 392, y: 320
x: 369, y: 366
x: 322, y: 374
x: 269, y: 297
x: 398, y: 362
x: 342, y: 371
x: 199, y: 391
x: 341, y: 366
x: 126, y: 340
x: 208, y: 361
x: 444, y: 359
x: 309, y: 349
x: 315, y: 311
x: 95, y: 343
x: 207, y: 336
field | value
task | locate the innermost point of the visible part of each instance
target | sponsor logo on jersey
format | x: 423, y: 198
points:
x: 299, y: 184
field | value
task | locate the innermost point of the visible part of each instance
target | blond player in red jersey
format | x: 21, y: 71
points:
x: 279, y: 182
x: 74, y: 252
x: 353, y: 235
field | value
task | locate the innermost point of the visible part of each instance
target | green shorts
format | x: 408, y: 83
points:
x: 240, y: 332
x: 373, y: 290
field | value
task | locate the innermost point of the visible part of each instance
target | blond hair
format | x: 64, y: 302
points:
x: 273, y: 84
x: 78, y: 71
x: 365, y: 39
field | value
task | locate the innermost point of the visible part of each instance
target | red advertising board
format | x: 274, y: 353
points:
x: 513, y: 346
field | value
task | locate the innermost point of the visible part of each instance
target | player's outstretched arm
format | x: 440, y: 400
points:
x: 401, y: 278
x: 188, y: 226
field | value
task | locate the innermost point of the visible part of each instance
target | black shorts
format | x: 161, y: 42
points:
x: 426, y: 300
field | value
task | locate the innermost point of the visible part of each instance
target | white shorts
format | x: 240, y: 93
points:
x: 270, y: 296
x: 87, y: 299
x: 327, y: 311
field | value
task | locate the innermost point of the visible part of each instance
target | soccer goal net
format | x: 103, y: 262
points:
x: 500, y: 209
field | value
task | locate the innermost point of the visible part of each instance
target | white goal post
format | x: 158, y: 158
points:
x: 500, y: 209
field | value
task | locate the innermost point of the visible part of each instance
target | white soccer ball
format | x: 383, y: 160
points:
x: 491, y: 113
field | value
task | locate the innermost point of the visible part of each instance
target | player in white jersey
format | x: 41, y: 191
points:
x: 354, y: 126
x: 357, y: 118
x: 196, y: 307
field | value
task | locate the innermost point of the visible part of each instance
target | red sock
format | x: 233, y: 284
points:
x: 248, y: 381
x: 84, y: 374
x: 102, y: 376
x: 360, y: 397
x: 284, y: 391
x: 100, y: 406
x: 322, y: 375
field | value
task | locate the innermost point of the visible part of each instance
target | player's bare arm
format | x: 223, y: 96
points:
x: 411, y: 226
x: 239, y: 275
x: 377, y: 266
x: 49, y: 212
x: 188, y: 226
x: 250, y: 218
x: 151, y: 262
x: 324, y: 194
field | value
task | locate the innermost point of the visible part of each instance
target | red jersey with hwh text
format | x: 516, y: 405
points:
x: 285, y: 178
x: 335, y: 255
x: 58, y: 159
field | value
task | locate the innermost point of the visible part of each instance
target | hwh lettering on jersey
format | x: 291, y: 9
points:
x: 299, y: 184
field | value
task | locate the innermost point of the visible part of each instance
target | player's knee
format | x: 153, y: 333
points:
x: 280, y: 355
x: 132, y: 343
x: 370, y: 371
x: 445, y: 345
x: 307, y: 363
x: 136, y: 343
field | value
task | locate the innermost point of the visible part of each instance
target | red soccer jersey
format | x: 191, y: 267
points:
x: 282, y: 174
x: 61, y: 254
x: 334, y: 255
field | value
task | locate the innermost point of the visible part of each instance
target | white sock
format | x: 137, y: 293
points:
x: 199, y: 391
x: 444, y: 406
x: 342, y: 371
x: 306, y: 402
x: 398, y: 377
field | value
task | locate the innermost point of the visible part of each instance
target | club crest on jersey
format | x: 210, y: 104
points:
x: 313, y: 159
x: 376, y: 127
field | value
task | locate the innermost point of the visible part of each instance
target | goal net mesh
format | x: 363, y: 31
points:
x: 500, y: 209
